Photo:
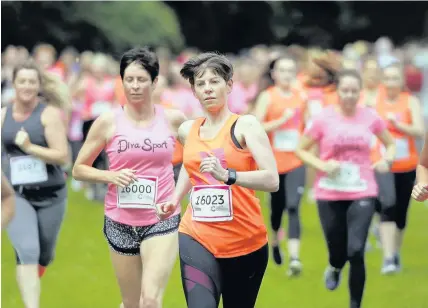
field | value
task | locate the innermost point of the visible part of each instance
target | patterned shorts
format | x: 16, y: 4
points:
x: 126, y: 239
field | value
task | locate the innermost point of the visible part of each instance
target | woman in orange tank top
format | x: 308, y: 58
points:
x: 227, y: 157
x: 403, y: 115
x: 282, y: 110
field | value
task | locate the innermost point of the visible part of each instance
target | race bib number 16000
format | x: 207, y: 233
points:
x: 139, y: 195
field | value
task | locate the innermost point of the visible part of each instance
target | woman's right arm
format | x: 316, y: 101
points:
x: 183, y: 183
x: 100, y: 131
x: 308, y: 140
x: 308, y: 157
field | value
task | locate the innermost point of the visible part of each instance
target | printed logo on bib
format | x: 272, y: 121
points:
x: 286, y: 140
x: 141, y: 194
x: 211, y: 203
x: 27, y: 170
x: 348, y: 179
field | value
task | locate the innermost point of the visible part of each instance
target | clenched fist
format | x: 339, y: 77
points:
x: 212, y: 166
x: 22, y: 139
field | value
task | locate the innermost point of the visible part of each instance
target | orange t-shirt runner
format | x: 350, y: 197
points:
x: 238, y: 228
x: 406, y: 158
x: 285, y: 139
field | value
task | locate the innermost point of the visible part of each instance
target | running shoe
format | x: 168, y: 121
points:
x: 389, y: 267
x: 332, y: 277
x: 294, y: 268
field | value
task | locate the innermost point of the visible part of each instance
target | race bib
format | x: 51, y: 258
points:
x: 27, y: 170
x: 139, y: 195
x: 373, y: 142
x: 286, y: 140
x: 99, y: 108
x: 402, y: 148
x: 348, y: 179
x: 315, y: 107
x: 211, y: 203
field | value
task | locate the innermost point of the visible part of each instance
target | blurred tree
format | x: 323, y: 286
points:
x: 231, y: 26
x: 132, y: 23
x: 208, y: 25
x: 103, y: 26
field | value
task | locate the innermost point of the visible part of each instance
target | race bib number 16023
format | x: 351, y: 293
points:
x: 211, y: 203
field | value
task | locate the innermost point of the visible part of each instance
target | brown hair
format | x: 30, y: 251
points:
x: 53, y: 89
x: 349, y: 73
x: 195, y: 66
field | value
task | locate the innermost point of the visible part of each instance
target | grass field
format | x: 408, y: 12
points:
x: 82, y: 277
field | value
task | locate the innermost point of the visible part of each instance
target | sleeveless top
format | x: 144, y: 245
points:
x: 227, y: 220
x: 407, y: 157
x: 149, y: 151
x: 285, y: 139
x: 26, y: 171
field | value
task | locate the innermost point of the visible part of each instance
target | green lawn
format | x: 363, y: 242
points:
x: 82, y: 277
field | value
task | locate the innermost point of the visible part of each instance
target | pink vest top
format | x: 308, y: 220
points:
x: 149, y: 151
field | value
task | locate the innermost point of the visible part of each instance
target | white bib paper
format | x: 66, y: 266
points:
x: 402, y: 148
x: 348, y: 179
x: 373, y: 141
x: 27, y: 170
x: 139, y: 195
x: 315, y: 107
x: 286, y: 140
x: 211, y: 203
x: 99, y: 108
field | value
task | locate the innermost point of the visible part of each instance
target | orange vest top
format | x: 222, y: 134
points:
x: 406, y: 158
x: 246, y: 232
x: 285, y: 139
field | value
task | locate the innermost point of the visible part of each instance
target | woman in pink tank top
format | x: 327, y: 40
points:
x: 345, y: 185
x: 139, y: 142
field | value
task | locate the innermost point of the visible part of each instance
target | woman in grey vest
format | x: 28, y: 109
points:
x: 35, y: 144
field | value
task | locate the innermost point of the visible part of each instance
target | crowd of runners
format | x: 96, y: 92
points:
x: 146, y: 132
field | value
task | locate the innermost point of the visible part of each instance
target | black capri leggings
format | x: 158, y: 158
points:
x: 288, y: 197
x: 395, y: 190
x: 346, y: 226
x: 205, y: 278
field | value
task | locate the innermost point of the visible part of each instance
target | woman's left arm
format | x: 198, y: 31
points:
x: 256, y: 139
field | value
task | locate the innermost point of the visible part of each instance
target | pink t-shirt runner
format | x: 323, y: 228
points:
x: 346, y: 140
x: 149, y: 151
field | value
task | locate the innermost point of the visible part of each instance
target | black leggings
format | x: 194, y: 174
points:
x: 346, y: 226
x: 291, y: 186
x: 206, y: 278
x: 395, y: 190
